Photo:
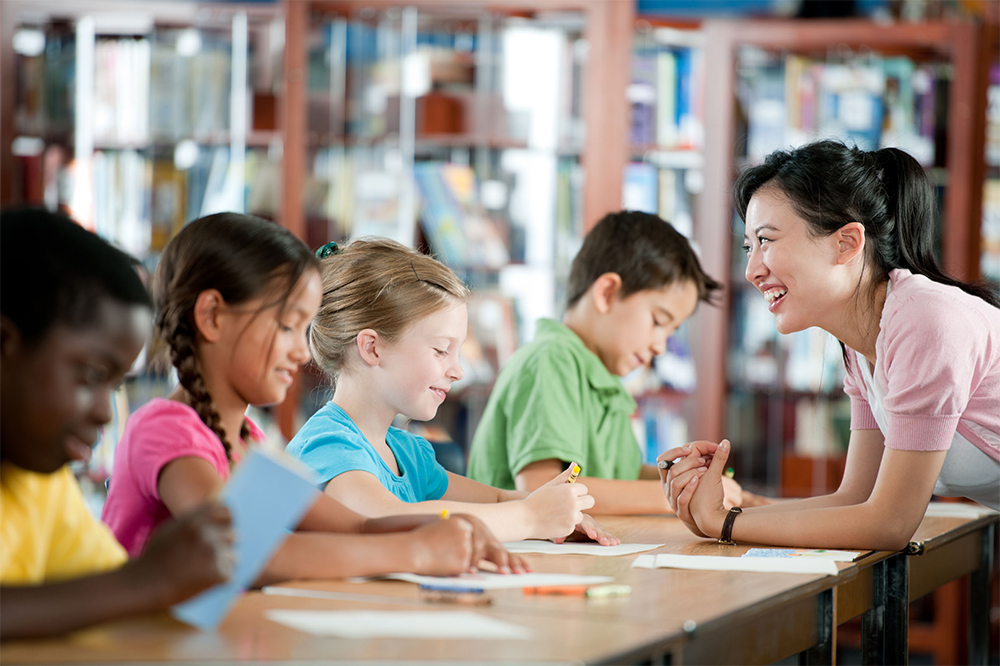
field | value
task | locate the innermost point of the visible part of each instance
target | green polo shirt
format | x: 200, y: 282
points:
x: 555, y: 399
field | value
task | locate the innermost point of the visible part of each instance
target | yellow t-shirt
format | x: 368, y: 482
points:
x: 46, y: 532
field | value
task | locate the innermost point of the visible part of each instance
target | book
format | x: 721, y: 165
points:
x: 267, y: 495
x: 639, y: 191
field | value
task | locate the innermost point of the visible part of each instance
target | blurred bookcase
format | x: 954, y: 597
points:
x: 664, y: 177
x: 136, y: 117
x: 781, y: 83
x: 487, y: 133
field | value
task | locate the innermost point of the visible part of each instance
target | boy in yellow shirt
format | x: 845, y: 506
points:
x: 560, y: 397
x: 73, y: 318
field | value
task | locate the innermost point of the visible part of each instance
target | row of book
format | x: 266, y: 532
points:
x: 139, y: 202
x: 668, y: 193
x: 666, y: 98
x: 873, y: 102
x: 145, y: 90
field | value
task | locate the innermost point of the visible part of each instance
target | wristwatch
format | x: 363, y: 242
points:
x: 726, y: 538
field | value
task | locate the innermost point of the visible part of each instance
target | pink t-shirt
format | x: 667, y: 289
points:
x: 157, y: 433
x: 938, y: 357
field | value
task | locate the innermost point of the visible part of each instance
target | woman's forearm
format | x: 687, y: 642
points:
x: 863, y: 526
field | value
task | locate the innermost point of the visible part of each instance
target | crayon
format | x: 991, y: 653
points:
x: 575, y: 473
x: 610, y: 590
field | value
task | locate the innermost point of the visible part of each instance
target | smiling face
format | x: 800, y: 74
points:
x: 56, y: 394
x: 268, y: 346
x: 799, y: 274
x: 635, y: 329
x: 417, y: 370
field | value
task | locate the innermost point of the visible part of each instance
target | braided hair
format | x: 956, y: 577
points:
x: 240, y: 256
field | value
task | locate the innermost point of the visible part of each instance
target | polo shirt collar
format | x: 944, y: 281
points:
x: 606, y: 384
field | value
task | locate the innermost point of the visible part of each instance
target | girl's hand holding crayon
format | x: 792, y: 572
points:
x: 189, y: 554
x: 457, y: 545
x: 557, y: 507
x: 442, y: 547
x: 485, y: 546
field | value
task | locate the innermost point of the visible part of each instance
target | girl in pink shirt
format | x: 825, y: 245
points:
x: 842, y: 239
x: 234, y: 296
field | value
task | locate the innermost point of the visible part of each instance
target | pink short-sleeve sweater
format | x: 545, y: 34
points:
x: 159, y: 432
x: 938, y: 354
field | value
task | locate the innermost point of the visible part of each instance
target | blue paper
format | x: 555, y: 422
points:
x: 267, y: 498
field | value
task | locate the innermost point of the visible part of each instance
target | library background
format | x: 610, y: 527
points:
x: 494, y: 134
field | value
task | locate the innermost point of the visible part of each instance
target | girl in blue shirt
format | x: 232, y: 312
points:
x: 388, y: 334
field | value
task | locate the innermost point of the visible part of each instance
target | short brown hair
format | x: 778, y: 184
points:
x: 379, y: 284
x: 644, y: 250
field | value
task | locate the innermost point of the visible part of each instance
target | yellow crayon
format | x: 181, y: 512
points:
x: 444, y: 514
x: 572, y: 475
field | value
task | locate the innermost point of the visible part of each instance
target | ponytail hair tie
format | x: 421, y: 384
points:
x: 330, y: 248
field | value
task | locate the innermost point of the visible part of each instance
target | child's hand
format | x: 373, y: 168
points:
x: 443, y: 547
x: 594, y: 531
x: 191, y: 553
x: 734, y: 495
x: 558, y: 506
x: 486, y: 546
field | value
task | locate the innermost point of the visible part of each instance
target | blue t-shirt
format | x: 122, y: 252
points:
x: 332, y: 444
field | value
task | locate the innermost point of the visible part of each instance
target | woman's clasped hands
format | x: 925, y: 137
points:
x: 695, y: 486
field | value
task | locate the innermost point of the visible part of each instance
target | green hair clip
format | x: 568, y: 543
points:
x: 328, y: 249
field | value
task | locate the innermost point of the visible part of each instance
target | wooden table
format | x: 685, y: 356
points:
x: 672, y: 615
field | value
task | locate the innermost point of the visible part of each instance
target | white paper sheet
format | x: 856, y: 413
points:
x: 576, y: 548
x: 492, y: 581
x: 806, y: 565
x: 399, y: 624
x: 956, y: 510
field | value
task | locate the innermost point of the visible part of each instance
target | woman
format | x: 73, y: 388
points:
x: 842, y: 239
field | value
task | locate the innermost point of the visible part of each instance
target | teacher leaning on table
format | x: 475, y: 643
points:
x: 842, y: 239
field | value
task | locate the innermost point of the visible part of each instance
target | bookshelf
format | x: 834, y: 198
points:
x: 769, y: 49
x: 664, y: 178
x: 136, y: 117
x: 437, y: 107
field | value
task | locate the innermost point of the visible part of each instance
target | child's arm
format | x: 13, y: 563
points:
x: 183, y: 557
x: 611, y: 496
x: 552, y: 511
x: 325, y: 554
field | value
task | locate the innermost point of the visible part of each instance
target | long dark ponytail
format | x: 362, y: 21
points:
x: 886, y: 191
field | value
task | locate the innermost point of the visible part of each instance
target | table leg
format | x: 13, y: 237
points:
x: 823, y: 651
x: 980, y: 590
x: 883, y: 628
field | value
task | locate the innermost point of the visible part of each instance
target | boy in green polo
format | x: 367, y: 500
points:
x: 560, y: 398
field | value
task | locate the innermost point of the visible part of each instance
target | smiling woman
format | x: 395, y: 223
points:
x: 842, y: 239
